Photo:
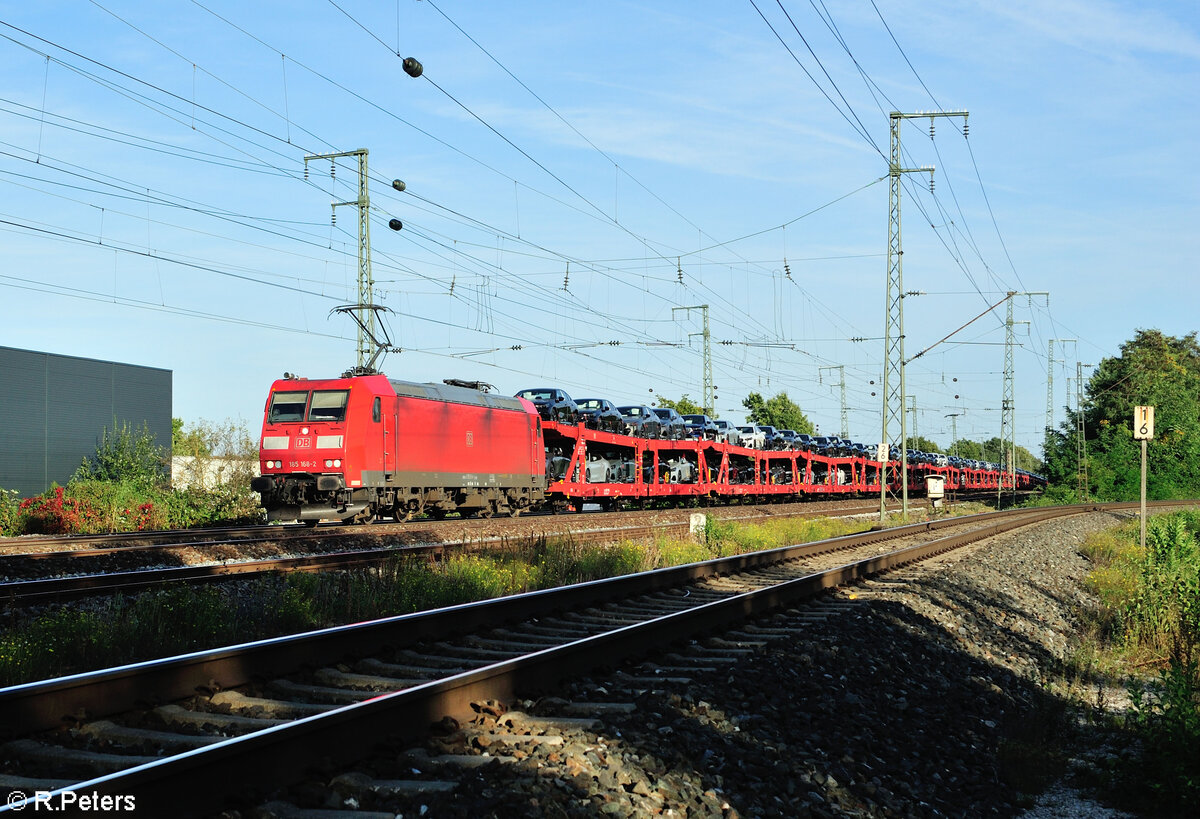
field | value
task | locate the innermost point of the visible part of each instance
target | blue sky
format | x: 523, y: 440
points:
x: 155, y: 209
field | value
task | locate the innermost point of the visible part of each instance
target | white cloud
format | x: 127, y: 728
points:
x: 1104, y: 27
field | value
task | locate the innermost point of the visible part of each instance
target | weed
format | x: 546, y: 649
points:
x: 1151, y: 609
x: 156, y: 624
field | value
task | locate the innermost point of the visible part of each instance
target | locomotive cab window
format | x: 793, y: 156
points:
x: 287, y: 406
x: 328, y: 405
x: 376, y: 414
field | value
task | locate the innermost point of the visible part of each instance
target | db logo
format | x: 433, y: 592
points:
x: 304, y: 443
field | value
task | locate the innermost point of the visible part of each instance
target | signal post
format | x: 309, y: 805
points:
x: 1143, y: 430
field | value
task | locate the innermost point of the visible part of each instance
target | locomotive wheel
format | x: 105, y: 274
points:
x: 310, y: 523
x: 436, y: 513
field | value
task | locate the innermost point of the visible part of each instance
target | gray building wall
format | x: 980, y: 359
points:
x: 53, y: 409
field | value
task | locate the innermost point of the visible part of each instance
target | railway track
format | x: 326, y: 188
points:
x: 50, y: 547
x: 76, y: 582
x: 235, y: 718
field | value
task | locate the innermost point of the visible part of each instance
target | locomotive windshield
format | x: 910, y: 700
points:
x: 287, y: 406
x: 328, y: 405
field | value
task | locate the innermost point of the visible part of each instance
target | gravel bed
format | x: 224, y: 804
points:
x: 928, y: 695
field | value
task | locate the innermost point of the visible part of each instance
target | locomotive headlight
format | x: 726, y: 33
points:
x: 337, y: 461
x: 303, y: 430
x: 328, y: 463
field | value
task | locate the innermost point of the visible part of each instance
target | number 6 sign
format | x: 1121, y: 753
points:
x: 1143, y: 423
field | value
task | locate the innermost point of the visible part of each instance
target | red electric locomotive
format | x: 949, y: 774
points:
x: 355, y: 448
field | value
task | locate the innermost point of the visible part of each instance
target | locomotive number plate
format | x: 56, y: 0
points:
x: 302, y: 464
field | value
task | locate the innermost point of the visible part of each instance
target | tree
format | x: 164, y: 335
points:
x: 779, y: 412
x: 194, y: 442
x: 1153, y: 369
x: 211, y: 453
x: 684, y: 406
x: 923, y: 444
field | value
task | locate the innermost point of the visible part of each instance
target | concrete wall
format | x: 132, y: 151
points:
x: 206, y: 473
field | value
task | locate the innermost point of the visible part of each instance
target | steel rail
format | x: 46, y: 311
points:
x: 177, y: 538
x: 71, y: 587
x: 283, y: 753
x: 42, y: 705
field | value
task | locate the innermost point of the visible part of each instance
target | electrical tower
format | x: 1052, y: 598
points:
x: 366, y: 284
x: 841, y: 368
x: 1080, y: 434
x: 1008, y: 459
x: 708, y: 399
x: 893, y: 337
x: 1050, y: 383
x: 954, y: 429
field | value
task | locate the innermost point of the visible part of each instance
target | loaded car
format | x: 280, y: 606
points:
x: 700, y: 426
x: 673, y: 425
x: 771, y: 438
x: 552, y: 404
x: 728, y: 433
x: 601, y: 414
x: 640, y: 420
x: 753, y: 436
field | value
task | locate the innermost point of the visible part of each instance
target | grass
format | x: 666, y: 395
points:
x: 111, y: 631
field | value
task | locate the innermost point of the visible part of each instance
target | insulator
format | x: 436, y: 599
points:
x: 965, y: 126
x: 931, y: 127
x: 395, y: 224
x: 412, y: 67
x: 333, y: 217
x: 305, y: 171
x: 787, y: 270
x: 332, y: 169
x: 931, y: 184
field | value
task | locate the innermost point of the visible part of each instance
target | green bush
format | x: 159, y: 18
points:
x: 10, y: 513
x: 97, y: 507
x: 1168, y: 722
x: 1152, y: 607
x: 128, y: 456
